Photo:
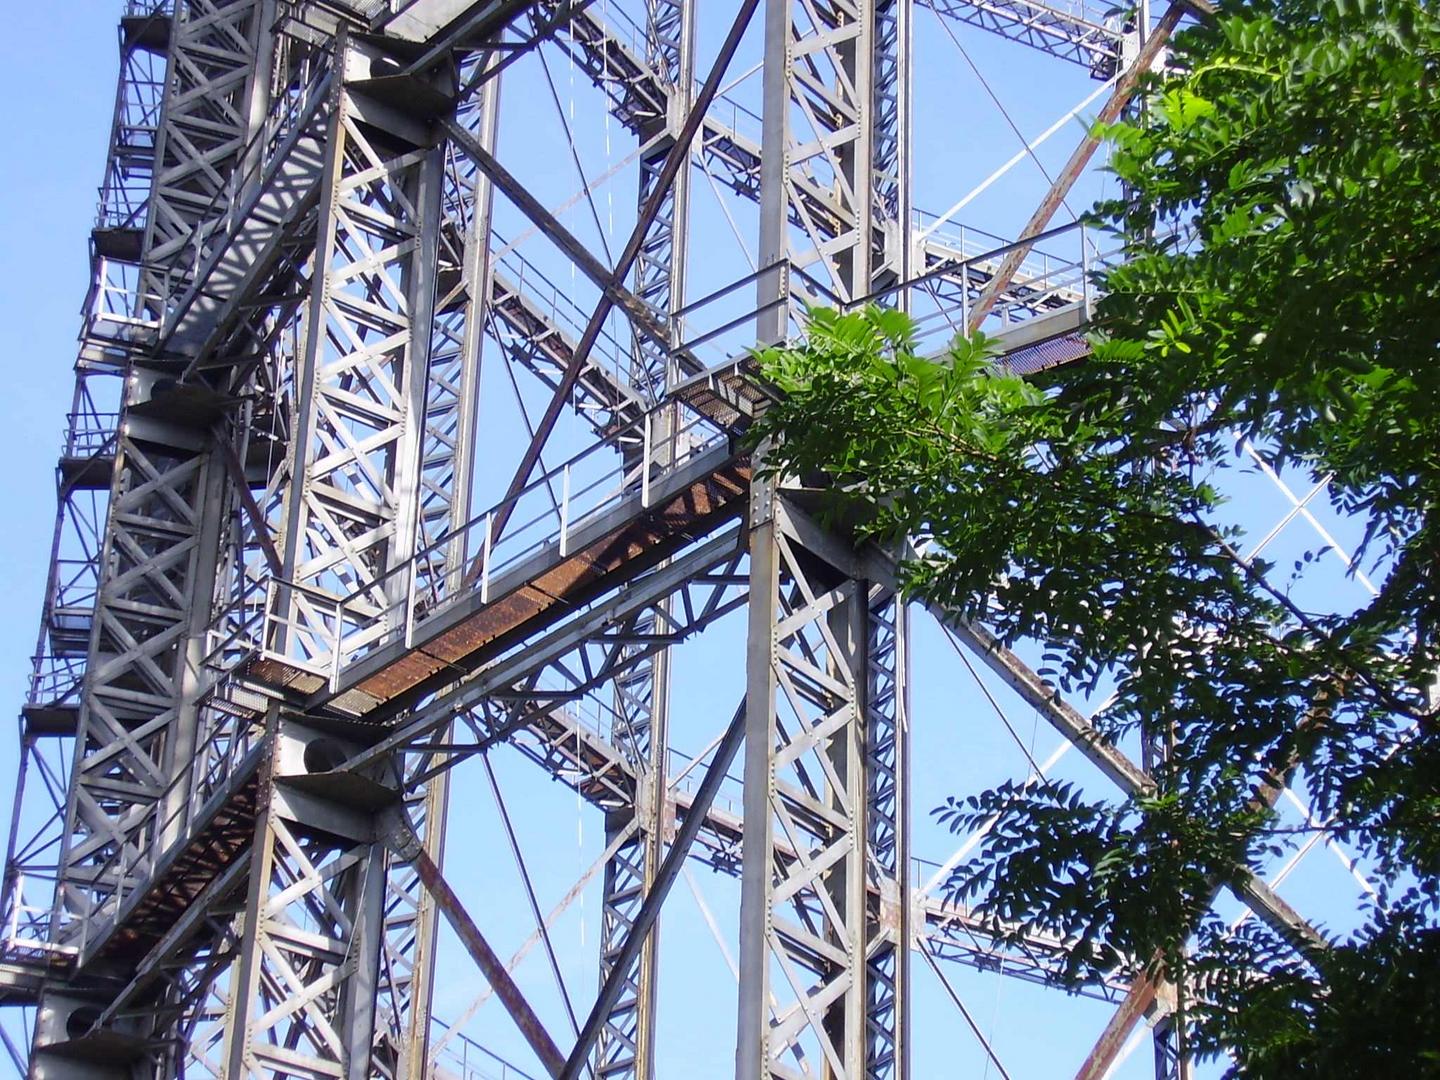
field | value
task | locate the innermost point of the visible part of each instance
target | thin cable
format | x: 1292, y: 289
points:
x: 530, y: 892
x: 609, y: 191
x: 1029, y: 148
x: 577, y: 890
x: 585, y: 185
x: 995, y: 1014
x: 579, y: 855
x: 534, y: 230
x: 796, y: 1050
x: 1034, y: 765
x: 1003, y: 111
x: 725, y: 209
x: 950, y: 990
x: 529, y: 426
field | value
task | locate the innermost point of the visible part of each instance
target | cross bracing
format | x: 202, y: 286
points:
x: 304, y: 575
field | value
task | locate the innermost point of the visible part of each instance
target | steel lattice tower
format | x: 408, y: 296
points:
x: 301, y: 580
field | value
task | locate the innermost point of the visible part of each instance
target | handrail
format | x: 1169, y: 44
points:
x: 470, y: 1071
x: 148, y: 7
x: 561, y: 306
x: 324, y: 631
x: 54, y: 679
x: 93, y: 438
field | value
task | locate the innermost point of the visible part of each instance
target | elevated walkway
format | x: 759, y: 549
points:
x: 504, y: 591
x: 731, y: 396
x: 544, y: 328
x: 406, y: 651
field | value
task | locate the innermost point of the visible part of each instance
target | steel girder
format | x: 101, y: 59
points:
x: 130, y: 746
x: 825, y: 701
x: 660, y: 267
x: 374, y: 416
x: 129, y: 797
x: 1170, y: 1060
x: 353, y: 508
x: 1082, y: 33
x: 817, y: 166
x: 129, y: 166
x: 825, y: 783
x: 328, y: 964
x: 513, y: 694
x: 451, y: 404
x: 303, y: 987
x: 885, y: 743
x: 626, y: 1043
x: 217, y: 89
x: 49, y: 717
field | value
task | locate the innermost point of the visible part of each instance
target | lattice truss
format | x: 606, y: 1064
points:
x: 828, y: 810
x: 405, y: 474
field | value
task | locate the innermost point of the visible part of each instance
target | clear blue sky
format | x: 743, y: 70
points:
x: 58, y: 83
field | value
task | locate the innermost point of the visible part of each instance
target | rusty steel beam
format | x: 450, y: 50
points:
x: 1256, y: 893
x: 407, y: 845
x: 1112, y: 1039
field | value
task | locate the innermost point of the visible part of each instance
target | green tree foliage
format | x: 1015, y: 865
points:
x: 1285, y: 287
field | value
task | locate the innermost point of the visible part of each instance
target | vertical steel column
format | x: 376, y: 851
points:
x: 660, y: 265
x: 407, y: 960
x: 824, y: 763
x: 352, y: 510
x: 890, y: 146
x: 887, y: 801
x: 135, y: 729
x: 219, y: 74
x: 305, y: 986
x: 822, y: 897
x: 754, y: 1057
x: 130, y: 794
x: 49, y: 719
x: 817, y: 153
x: 447, y: 464
x: 626, y: 1045
x: 1170, y: 1060
x: 150, y: 568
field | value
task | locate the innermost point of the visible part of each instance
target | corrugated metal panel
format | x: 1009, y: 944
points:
x: 1046, y: 354
x: 365, y: 9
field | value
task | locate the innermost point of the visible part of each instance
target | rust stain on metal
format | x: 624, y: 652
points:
x: 490, y: 965
x: 275, y: 672
x: 226, y: 837
x: 558, y: 585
